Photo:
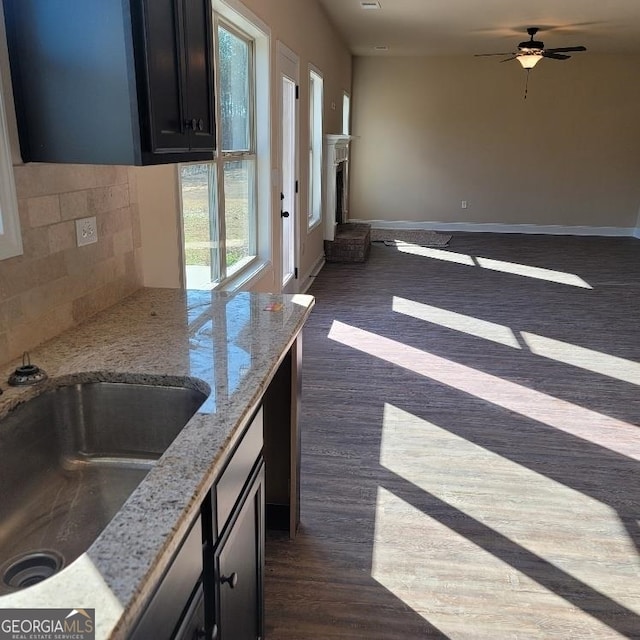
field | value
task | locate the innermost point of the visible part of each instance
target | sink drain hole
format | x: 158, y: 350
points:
x: 32, y: 568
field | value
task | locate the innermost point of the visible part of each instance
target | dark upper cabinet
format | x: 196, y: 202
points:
x: 112, y: 82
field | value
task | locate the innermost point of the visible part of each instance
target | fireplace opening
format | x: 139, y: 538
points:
x: 340, y: 193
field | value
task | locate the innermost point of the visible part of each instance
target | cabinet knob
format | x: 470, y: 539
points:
x: 284, y: 214
x: 201, y: 125
x: 191, y: 124
x: 232, y: 580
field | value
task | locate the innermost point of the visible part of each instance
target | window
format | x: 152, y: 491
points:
x: 219, y: 198
x: 10, y: 240
x: 315, y: 147
x: 346, y: 113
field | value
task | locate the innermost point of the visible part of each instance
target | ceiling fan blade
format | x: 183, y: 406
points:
x: 507, y: 59
x: 560, y: 49
x: 555, y: 56
x: 480, y: 55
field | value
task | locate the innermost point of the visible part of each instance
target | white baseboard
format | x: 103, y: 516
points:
x: 307, y: 280
x: 494, y: 227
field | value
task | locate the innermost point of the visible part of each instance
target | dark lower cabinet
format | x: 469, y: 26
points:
x: 176, y: 591
x: 213, y: 588
x: 193, y: 624
x: 239, y: 567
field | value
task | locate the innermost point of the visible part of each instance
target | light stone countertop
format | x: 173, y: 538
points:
x: 228, y: 345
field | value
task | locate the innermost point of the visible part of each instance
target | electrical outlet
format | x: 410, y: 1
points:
x: 464, y: 204
x: 86, y: 231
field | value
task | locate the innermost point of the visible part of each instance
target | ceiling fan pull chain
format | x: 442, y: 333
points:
x: 526, y: 84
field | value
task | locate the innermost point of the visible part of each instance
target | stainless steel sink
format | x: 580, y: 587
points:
x: 69, y: 459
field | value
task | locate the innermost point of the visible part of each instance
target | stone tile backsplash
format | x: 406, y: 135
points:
x: 55, y: 284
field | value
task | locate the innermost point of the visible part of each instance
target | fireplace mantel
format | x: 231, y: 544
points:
x: 336, y: 151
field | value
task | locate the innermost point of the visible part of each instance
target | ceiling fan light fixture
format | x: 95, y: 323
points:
x: 529, y: 60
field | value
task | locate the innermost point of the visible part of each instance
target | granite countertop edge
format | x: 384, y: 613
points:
x: 120, y: 571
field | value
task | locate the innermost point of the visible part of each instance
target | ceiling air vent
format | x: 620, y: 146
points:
x: 370, y: 4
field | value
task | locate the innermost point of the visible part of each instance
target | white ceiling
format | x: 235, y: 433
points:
x: 452, y: 27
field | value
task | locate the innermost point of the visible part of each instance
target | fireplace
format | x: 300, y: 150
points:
x: 344, y: 241
x: 341, y: 217
x: 336, y: 162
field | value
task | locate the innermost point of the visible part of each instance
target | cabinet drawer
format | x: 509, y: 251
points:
x: 229, y: 486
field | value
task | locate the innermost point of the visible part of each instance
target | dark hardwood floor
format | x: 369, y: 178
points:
x: 471, y: 446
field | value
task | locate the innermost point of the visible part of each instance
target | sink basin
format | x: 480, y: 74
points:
x: 69, y: 459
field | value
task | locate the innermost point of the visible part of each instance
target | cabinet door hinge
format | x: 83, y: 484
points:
x: 296, y: 186
x: 295, y: 273
x: 297, y: 92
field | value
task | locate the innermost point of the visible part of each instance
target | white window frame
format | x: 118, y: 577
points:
x: 234, y: 15
x: 346, y: 114
x: 231, y: 156
x: 10, y: 235
x: 316, y: 111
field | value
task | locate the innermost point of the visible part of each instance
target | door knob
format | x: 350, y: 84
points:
x: 232, y: 580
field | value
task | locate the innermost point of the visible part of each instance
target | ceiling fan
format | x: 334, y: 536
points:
x: 531, y: 51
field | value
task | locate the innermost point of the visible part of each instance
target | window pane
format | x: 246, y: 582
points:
x: 234, y: 55
x: 345, y: 114
x: 239, y: 213
x: 315, y: 147
x: 199, y: 216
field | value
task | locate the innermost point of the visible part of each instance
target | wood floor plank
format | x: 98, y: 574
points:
x: 476, y: 488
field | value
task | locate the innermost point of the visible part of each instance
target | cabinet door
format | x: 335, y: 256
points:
x: 240, y: 567
x: 167, y: 605
x: 199, y: 105
x: 165, y: 75
x: 192, y: 627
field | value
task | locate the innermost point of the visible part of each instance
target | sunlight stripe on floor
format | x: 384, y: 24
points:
x: 549, y: 275
x: 456, y: 321
x: 591, y: 426
x: 437, y: 254
x: 595, y: 361
x: 462, y: 589
x: 549, y: 518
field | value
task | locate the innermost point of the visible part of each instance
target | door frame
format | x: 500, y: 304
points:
x: 291, y: 58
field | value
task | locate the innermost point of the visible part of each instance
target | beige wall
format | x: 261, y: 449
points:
x: 435, y: 131
x: 158, y: 200
x: 303, y: 26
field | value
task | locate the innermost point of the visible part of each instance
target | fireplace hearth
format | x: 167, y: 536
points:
x: 351, y: 243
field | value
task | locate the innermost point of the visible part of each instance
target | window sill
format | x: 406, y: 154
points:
x: 245, y: 278
x: 313, y: 225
